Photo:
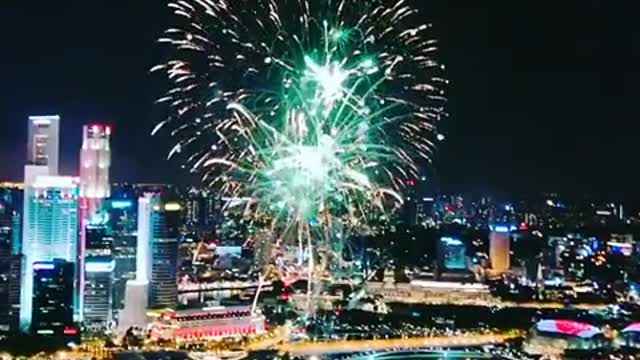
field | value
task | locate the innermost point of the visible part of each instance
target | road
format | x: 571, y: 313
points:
x: 346, y: 346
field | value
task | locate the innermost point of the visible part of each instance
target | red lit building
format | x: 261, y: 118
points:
x: 207, y: 324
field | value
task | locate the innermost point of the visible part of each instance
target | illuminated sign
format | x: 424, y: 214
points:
x: 44, y: 266
x: 500, y: 228
x: 70, y: 331
x: 451, y: 241
x: 172, y: 207
x: 100, y: 267
x: 45, y: 332
x: 121, y: 204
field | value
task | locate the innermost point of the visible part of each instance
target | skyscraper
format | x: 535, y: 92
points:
x: 136, y: 298
x: 99, y: 268
x: 146, y: 206
x: 163, y: 288
x: 500, y: 250
x: 95, y: 161
x: 50, y: 230
x: 43, y: 143
x: 5, y: 267
x: 123, y: 223
x: 53, y: 297
x: 98, y: 295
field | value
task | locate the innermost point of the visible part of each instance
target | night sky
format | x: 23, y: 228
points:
x: 543, y: 94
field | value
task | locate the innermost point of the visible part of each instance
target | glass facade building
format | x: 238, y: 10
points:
x: 123, y: 222
x: 53, y: 295
x: 50, y: 230
x: 165, y: 226
x: 99, y: 269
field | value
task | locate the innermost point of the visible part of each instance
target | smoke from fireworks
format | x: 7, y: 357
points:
x: 315, y: 109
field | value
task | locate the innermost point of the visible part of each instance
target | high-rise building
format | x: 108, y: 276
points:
x: 95, y: 161
x: 99, y: 240
x: 11, y: 202
x: 52, y: 313
x: 98, y: 294
x: 14, y: 286
x: 42, y: 160
x: 5, y: 268
x: 50, y: 230
x: 99, y: 271
x: 163, y: 288
x: 10, y: 259
x: 500, y: 249
x: 201, y: 211
x: 43, y: 143
x: 123, y: 223
x: 147, y: 204
x: 136, y: 297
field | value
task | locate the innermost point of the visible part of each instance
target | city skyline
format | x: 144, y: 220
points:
x: 500, y: 82
x: 308, y: 179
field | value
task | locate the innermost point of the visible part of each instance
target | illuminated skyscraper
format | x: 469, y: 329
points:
x: 163, y: 288
x: 500, y: 249
x: 50, y: 230
x: 95, y: 161
x: 99, y: 268
x: 98, y: 293
x: 136, y: 298
x: 43, y: 143
x: 5, y: 267
x: 53, y: 298
x: 123, y: 223
x: 146, y: 206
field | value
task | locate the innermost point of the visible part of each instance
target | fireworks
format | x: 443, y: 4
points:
x: 318, y: 110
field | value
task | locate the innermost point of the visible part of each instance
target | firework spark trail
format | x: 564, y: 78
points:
x: 316, y: 109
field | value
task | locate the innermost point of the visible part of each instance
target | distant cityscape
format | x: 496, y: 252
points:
x: 101, y: 266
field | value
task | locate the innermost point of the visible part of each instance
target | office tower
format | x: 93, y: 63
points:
x: 147, y: 205
x: 163, y: 287
x: 11, y: 202
x: 500, y: 249
x: 95, y: 161
x: 98, y: 292
x: 99, y: 268
x: 123, y: 223
x: 42, y: 160
x: 10, y: 269
x: 5, y: 267
x: 14, y: 285
x: 136, y: 298
x: 53, y: 294
x: 43, y: 143
x: 50, y: 228
x: 200, y: 211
